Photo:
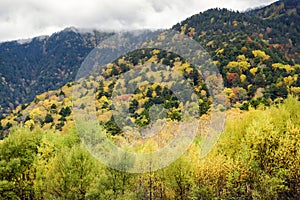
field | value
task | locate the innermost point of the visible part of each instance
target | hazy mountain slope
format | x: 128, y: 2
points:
x: 28, y: 68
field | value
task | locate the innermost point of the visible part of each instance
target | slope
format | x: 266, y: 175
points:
x: 31, y: 67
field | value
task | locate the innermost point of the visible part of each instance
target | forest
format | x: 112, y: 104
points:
x: 256, y: 156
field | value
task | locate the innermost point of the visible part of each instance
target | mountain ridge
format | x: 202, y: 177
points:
x: 259, y: 63
x: 42, y: 63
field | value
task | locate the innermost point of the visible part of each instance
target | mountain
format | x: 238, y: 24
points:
x: 284, y: 17
x: 280, y: 33
x: 279, y: 9
x: 43, y: 155
x: 31, y: 67
x: 257, y: 53
x: 253, y: 53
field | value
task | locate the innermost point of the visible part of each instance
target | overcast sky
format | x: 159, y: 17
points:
x: 21, y: 19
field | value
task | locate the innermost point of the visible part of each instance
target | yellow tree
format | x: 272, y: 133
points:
x: 261, y: 55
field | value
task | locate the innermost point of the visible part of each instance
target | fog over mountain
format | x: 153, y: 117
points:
x: 28, y: 18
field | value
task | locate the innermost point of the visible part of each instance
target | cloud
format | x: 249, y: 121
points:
x: 28, y: 18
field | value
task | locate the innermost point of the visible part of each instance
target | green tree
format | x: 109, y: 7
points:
x: 70, y: 174
x: 17, y: 155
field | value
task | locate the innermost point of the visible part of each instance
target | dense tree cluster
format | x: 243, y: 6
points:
x: 46, y: 63
x: 257, y: 157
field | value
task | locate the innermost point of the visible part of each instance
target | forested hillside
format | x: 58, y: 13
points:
x: 31, y: 67
x: 252, y: 53
x: 257, y: 157
x: 43, y: 156
x: 257, y: 59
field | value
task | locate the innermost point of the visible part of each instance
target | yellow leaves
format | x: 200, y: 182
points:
x: 177, y: 65
x: 109, y: 69
x: 244, y: 49
x: 183, y: 29
x: 191, y: 32
x: 121, y: 60
x: 153, y: 59
x: 249, y: 87
x: 36, y: 113
x: 181, y: 66
x: 241, y: 58
x: 210, y: 43
x: 47, y: 126
x: 244, y: 65
x: 103, y: 99
x: 241, y: 65
x: 155, y: 52
x: 154, y: 94
x: 287, y: 68
x: 279, y: 84
x: 295, y: 90
x: 189, y: 70
x: 185, y: 65
x: 235, y: 23
x: 48, y: 103
x: 105, y: 117
x: 278, y: 65
x: 4, y: 122
x: 29, y: 123
x: 203, y: 93
x: 143, y: 100
x: 214, y: 168
x: 162, y: 36
x: 41, y: 97
x: 67, y: 126
x: 253, y: 71
x: 243, y: 78
x: 67, y: 90
x: 217, y: 63
x: 200, y: 101
x: 229, y: 93
x: 67, y: 101
x: 232, y: 64
x: 221, y: 51
x: 289, y: 80
x: 260, y: 54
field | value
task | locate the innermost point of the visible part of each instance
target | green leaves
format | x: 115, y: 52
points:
x: 69, y: 174
x: 257, y: 157
x: 17, y: 155
x: 265, y: 144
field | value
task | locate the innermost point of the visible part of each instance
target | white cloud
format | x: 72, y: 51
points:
x: 28, y: 18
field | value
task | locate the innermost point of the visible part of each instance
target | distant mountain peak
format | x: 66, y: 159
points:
x: 83, y: 30
x: 70, y: 29
x: 24, y: 41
